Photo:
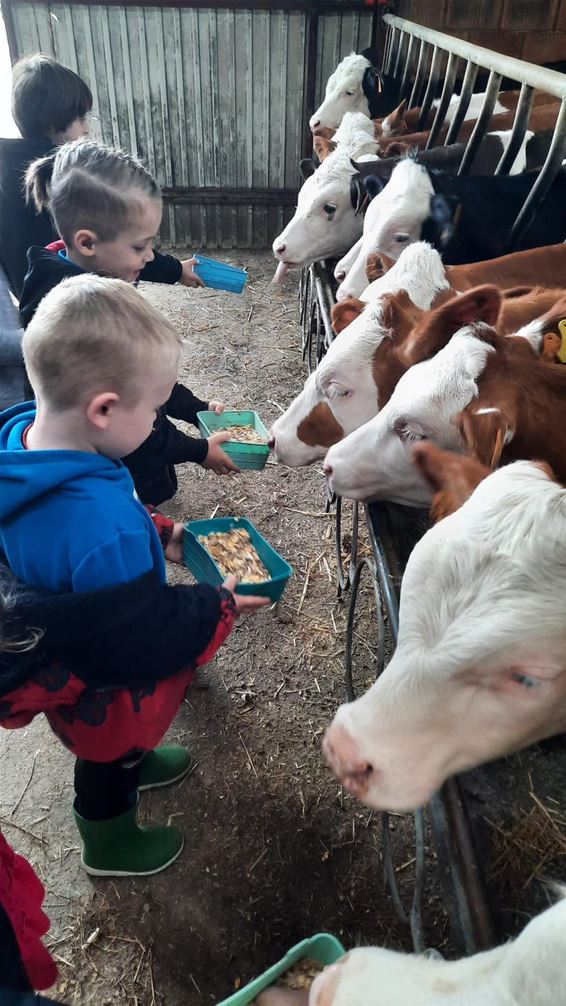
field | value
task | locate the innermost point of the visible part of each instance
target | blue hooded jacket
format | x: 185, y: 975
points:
x: 69, y: 520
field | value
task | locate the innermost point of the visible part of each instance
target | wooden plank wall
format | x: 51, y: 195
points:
x: 534, y: 30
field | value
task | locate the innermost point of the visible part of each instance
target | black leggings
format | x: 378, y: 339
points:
x: 107, y: 789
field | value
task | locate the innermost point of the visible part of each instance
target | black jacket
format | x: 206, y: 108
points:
x: 121, y: 637
x: 20, y: 226
x: 152, y: 465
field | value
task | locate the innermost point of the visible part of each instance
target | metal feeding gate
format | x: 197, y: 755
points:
x: 419, y: 56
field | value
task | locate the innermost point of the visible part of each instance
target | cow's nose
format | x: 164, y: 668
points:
x: 340, y: 275
x: 271, y: 443
x: 280, y: 249
x: 327, y: 469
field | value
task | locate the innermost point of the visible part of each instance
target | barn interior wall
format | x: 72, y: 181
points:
x: 207, y: 98
x: 534, y: 30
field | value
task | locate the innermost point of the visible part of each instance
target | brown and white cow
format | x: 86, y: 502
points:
x: 480, y: 668
x: 363, y: 364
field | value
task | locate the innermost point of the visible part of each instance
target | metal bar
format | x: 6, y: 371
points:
x: 419, y: 75
x: 405, y: 79
x: 520, y: 123
x: 470, y: 918
x: 465, y: 95
x: 539, y: 77
x: 481, y: 125
x: 433, y: 78
x: 545, y: 179
x: 451, y: 71
x: 401, y: 53
x: 391, y: 51
x: 211, y: 196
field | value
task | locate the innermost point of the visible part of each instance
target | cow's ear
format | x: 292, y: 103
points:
x: 344, y: 313
x: 307, y: 167
x: 373, y: 185
x: 452, y: 477
x: 357, y: 192
x: 369, y: 82
x: 440, y: 226
x: 394, y: 123
x: 377, y: 265
x: 323, y: 147
x: 437, y: 327
x: 484, y: 433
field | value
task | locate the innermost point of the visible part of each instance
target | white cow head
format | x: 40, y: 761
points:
x: 479, y: 670
x: 526, y: 972
x: 325, y: 222
x: 345, y: 93
x: 375, y: 461
x: 342, y: 393
x: 393, y: 220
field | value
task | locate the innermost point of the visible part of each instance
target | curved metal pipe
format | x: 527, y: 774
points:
x: 520, y: 123
x: 548, y: 173
x: 482, y: 123
x: 462, y: 107
x: 447, y: 91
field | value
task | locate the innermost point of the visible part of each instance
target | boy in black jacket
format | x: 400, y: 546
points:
x: 107, y: 208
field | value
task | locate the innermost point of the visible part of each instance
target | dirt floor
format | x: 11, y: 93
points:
x: 274, y: 850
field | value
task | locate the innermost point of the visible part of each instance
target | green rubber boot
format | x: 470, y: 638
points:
x: 119, y: 847
x: 164, y: 766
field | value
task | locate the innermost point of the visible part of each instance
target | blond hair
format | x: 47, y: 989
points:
x: 90, y: 335
x: 86, y: 184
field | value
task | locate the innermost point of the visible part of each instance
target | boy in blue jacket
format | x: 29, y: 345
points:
x: 102, y: 361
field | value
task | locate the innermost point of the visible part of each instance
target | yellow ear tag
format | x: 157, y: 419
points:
x: 562, y: 350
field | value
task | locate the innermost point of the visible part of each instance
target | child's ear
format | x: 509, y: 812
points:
x: 100, y: 408
x: 85, y: 241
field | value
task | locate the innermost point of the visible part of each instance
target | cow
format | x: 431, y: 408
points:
x: 328, y: 219
x: 490, y: 395
x: 479, y: 669
x: 528, y: 971
x: 359, y: 372
x: 468, y: 218
x: 355, y: 86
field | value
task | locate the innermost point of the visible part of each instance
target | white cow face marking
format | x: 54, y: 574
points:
x: 479, y: 669
x: 375, y: 461
x: 393, y: 220
x: 344, y: 93
x: 324, y: 223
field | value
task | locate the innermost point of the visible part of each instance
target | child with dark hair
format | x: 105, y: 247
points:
x: 107, y: 208
x: 50, y: 105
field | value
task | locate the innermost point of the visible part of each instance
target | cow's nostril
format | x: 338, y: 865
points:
x: 315, y: 124
x: 271, y: 443
x: 327, y: 469
x: 280, y: 249
x: 340, y: 276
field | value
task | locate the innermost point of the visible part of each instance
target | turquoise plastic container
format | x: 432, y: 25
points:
x: 323, y: 947
x: 249, y: 456
x: 205, y: 570
x: 220, y: 275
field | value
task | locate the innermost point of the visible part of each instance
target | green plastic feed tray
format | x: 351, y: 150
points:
x: 248, y: 456
x: 323, y: 947
x: 204, y: 569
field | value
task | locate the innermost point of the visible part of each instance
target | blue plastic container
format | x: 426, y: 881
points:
x: 252, y: 457
x: 323, y: 947
x: 220, y: 275
x: 205, y: 570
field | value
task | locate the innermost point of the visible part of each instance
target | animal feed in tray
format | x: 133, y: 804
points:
x: 242, y: 434
x: 234, y: 553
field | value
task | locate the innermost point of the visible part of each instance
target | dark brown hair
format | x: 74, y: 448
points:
x: 47, y: 97
x: 86, y: 184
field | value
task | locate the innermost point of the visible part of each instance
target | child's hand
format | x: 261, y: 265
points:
x: 188, y: 277
x: 217, y: 460
x: 246, y: 604
x: 174, y: 549
x: 217, y: 407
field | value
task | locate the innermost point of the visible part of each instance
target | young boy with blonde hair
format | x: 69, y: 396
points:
x: 102, y: 361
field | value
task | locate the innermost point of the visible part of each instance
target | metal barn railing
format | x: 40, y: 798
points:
x: 418, y: 54
x: 460, y: 875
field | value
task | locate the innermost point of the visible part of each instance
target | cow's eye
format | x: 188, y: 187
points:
x: 525, y: 679
x: 401, y: 238
x: 350, y: 93
x: 330, y: 209
x: 406, y: 434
